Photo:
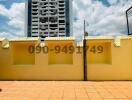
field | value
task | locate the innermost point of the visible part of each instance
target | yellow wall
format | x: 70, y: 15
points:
x: 105, y: 61
x: 99, y: 52
x: 117, y: 62
x: 19, y: 64
x: 20, y: 54
x: 54, y: 57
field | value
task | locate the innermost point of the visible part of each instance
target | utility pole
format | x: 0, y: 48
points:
x: 85, y: 53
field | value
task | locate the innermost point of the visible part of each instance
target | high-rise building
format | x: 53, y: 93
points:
x: 49, y: 18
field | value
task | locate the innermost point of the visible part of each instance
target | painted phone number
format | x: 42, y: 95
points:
x: 68, y: 49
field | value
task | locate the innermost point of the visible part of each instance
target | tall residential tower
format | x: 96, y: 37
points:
x: 49, y: 18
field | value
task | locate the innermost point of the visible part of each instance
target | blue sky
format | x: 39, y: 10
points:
x: 105, y: 2
x: 8, y: 3
x: 105, y: 17
x: 12, y: 18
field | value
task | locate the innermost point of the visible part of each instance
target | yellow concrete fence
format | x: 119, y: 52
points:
x: 108, y: 58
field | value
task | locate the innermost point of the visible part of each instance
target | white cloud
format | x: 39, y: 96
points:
x: 15, y: 15
x: 6, y: 34
x: 3, y: 10
x: 112, y: 1
x: 103, y: 20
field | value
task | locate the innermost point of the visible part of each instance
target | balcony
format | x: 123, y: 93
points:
x: 53, y: 4
x: 52, y: 0
x: 53, y: 30
x: 43, y: 4
x: 43, y: 20
x: 43, y: 0
x: 34, y: 19
x: 34, y: 26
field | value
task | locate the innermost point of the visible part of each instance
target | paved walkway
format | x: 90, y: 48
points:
x: 50, y: 90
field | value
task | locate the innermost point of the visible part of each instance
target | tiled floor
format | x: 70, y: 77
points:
x: 61, y: 90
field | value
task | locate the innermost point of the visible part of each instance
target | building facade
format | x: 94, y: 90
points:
x: 49, y: 18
